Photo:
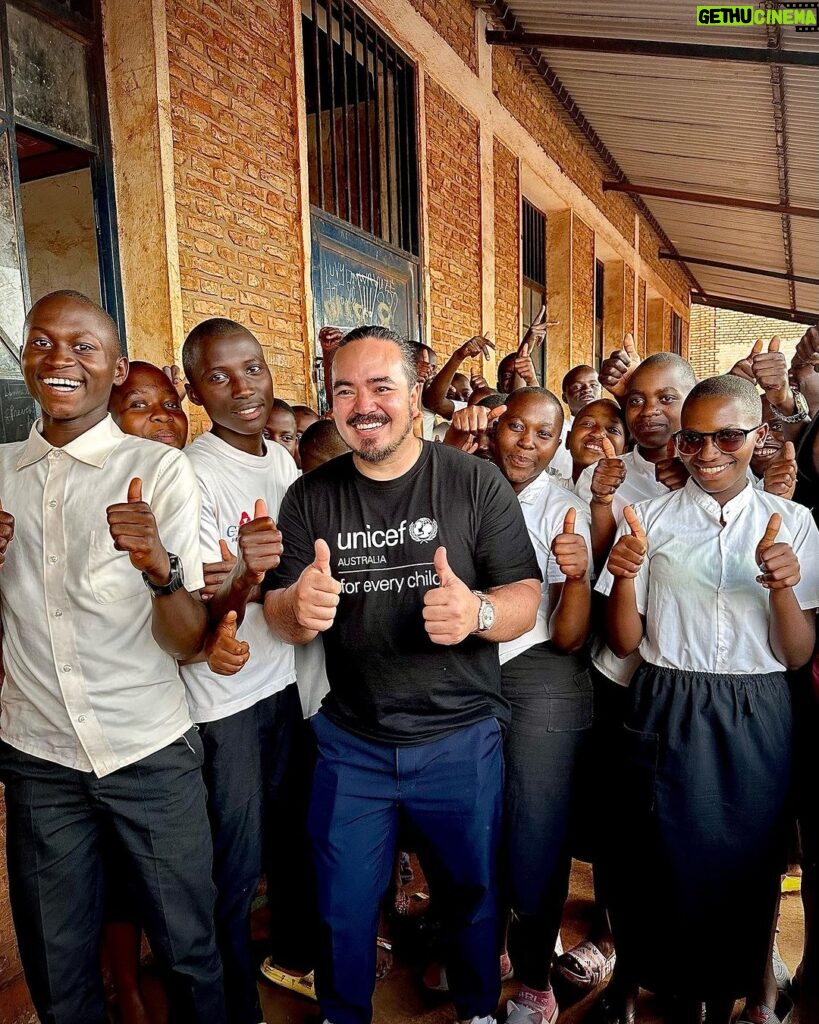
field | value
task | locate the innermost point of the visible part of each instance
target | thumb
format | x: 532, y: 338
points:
x: 568, y: 522
x: 756, y: 349
x: 495, y: 414
x: 135, y: 490
x: 227, y: 627
x: 629, y: 347
x: 774, y: 344
x: 788, y: 453
x: 774, y: 524
x: 260, y: 509
x: 634, y: 523
x: 671, y: 449
x: 608, y: 449
x: 442, y: 567
x: 322, y: 559
x: 227, y: 556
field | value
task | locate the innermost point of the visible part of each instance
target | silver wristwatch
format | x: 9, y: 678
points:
x: 802, y: 413
x: 486, y: 613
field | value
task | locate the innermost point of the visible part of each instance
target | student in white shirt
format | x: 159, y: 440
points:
x: 717, y: 585
x: 98, y: 599
x: 247, y: 720
x: 546, y: 681
x: 579, y: 387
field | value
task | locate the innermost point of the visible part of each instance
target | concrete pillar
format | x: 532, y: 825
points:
x: 655, y: 320
x: 570, y: 294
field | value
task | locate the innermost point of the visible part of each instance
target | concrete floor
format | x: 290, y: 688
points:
x: 398, y: 999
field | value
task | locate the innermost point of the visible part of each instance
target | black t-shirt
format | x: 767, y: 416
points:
x: 388, y: 681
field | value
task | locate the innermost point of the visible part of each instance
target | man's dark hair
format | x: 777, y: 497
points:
x: 408, y: 357
x: 279, y: 405
x: 209, y: 330
x: 575, y: 369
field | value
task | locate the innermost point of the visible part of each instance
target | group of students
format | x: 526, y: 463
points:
x: 636, y: 659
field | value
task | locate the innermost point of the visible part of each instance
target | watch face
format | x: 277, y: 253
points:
x: 487, y: 615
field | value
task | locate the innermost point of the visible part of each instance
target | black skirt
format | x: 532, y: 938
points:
x: 702, y: 805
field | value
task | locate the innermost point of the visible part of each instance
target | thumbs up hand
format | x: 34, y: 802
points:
x: 133, y: 529
x: 780, y: 475
x: 745, y: 367
x: 450, y: 609
x: 316, y: 593
x: 778, y: 562
x: 616, y: 370
x: 670, y: 471
x: 770, y: 371
x: 570, y: 551
x: 217, y: 572
x: 259, y: 544
x: 6, y: 532
x: 225, y: 654
x: 629, y: 553
x: 609, y: 473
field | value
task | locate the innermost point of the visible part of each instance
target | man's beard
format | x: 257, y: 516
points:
x: 369, y: 453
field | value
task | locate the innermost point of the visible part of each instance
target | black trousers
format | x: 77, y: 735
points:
x: 56, y: 821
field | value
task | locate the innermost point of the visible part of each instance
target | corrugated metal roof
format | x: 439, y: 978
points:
x: 700, y: 126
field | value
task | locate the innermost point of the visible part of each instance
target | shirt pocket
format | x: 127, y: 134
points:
x: 571, y: 710
x: 110, y: 573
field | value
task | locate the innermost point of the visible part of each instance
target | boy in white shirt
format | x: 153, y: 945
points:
x: 247, y: 720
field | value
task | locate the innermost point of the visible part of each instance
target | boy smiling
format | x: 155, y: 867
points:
x: 96, y: 607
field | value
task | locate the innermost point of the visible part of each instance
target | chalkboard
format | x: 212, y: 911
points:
x: 356, y: 281
x: 17, y: 410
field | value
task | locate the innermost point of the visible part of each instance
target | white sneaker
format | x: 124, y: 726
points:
x: 479, y: 1020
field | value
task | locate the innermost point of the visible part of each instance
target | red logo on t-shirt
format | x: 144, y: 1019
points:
x: 245, y: 519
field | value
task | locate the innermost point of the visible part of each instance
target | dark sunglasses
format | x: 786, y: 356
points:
x: 728, y: 440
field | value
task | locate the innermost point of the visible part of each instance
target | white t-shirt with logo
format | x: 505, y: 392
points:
x: 231, y: 481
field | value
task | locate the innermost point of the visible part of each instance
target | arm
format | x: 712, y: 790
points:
x: 435, y: 393
x: 570, y: 619
x: 609, y: 472
x: 624, y: 624
x: 791, y: 631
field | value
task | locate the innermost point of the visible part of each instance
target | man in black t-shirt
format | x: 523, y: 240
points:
x: 413, y: 561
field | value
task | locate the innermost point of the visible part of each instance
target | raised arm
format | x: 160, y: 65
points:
x: 791, y: 631
x: 570, y: 601
x: 435, y: 393
x: 624, y: 624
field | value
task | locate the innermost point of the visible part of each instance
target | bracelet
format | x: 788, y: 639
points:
x: 802, y: 414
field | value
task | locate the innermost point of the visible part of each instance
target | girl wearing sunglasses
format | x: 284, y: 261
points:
x: 717, y: 585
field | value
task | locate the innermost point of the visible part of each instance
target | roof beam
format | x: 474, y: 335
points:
x: 709, y: 199
x: 799, y: 316
x: 653, y: 48
x: 678, y: 258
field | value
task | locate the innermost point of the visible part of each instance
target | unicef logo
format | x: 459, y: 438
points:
x: 423, y: 530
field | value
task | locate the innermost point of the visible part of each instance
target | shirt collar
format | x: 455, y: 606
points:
x: 92, y: 447
x: 724, y: 512
x: 641, y: 464
x: 532, y: 491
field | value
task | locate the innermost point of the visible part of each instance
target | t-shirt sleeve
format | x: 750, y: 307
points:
x: 504, y: 553
x: 176, y: 505
x: 297, y: 540
x: 806, y: 549
x: 209, y: 536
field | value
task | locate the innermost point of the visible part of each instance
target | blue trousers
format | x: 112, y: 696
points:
x: 451, y: 791
x: 57, y: 819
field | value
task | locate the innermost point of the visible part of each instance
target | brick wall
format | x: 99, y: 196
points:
x: 454, y: 21
x: 507, y: 249
x: 628, y: 300
x: 721, y: 337
x: 454, y: 218
x: 236, y: 174
x: 640, y: 336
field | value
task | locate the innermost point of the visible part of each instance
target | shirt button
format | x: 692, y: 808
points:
x: 81, y: 718
x: 58, y: 613
x: 52, y: 558
x: 66, y: 668
x: 52, y: 503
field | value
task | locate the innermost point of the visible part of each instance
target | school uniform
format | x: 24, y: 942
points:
x: 248, y: 722
x: 550, y: 696
x: 707, y: 746
x: 562, y: 465
x: 95, y: 734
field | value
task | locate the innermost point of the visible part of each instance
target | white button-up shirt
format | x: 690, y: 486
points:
x: 697, y: 587
x: 639, y: 485
x: 86, y: 685
x: 544, y: 504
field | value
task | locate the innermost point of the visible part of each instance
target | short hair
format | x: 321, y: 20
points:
x: 408, y: 359
x: 614, y: 406
x: 297, y: 409
x: 549, y: 396
x: 575, y: 369
x: 79, y: 299
x: 322, y: 441
x: 209, y: 330
x: 683, y: 368
x: 492, y: 401
x: 279, y: 405
x: 728, y: 386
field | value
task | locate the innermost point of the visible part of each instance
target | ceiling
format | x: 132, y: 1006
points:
x: 732, y: 128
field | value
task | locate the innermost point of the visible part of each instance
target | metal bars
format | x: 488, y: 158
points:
x: 534, y: 244
x: 360, y: 93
